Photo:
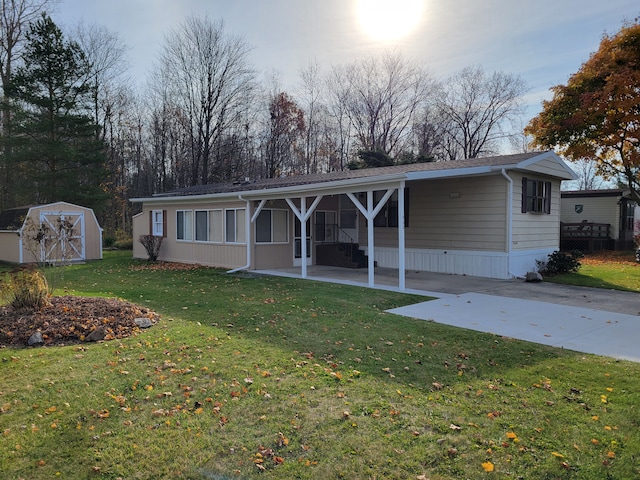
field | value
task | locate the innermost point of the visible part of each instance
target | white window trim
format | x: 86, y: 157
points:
x: 157, y: 229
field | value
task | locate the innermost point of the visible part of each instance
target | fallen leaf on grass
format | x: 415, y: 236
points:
x: 487, y: 467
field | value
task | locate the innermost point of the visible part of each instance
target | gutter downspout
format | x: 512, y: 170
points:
x: 247, y: 219
x: 20, y: 255
x: 503, y: 172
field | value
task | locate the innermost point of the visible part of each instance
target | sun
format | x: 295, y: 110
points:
x: 389, y: 20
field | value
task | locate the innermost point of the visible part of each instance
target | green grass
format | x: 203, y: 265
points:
x: 281, y: 378
x: 613, y: 270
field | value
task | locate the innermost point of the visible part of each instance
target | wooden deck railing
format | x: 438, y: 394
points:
x: 585, y: 236
x: 585, y: 230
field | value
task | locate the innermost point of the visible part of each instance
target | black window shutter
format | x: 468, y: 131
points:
x: 524, y: 195
x: 150, y: 222
x: 547, y: 197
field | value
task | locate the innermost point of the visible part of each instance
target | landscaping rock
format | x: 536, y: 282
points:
x: 143, y: 322
x: 533, y: 277
x: 35, y: 340
x: 97, y: 335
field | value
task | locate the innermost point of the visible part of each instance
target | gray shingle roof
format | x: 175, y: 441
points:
x: 13, y: 218
x: 299, y: 180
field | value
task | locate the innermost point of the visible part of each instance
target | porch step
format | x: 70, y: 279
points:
x: 345, y: 255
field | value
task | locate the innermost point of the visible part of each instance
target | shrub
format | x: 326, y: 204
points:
x: 108, y: 242
x: 152, y: 244
x: 560, y: 262
x: 125, y: 244
x: 26, y: 288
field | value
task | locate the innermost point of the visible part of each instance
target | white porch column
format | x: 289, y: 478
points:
x: 303, y: 215
x: 370, y: 214
x: 371, y: 265
x: 401, y: 238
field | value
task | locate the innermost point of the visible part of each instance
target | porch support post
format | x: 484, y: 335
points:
x: 370, y: 214
x: 401, y: 238
x: 371, y: 258
x: 303, y: 215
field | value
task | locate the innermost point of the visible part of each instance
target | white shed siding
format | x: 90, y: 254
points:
x: 599, y: 209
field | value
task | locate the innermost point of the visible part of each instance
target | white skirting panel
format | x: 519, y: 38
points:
x: 461, y: 262
x: 525, y: 261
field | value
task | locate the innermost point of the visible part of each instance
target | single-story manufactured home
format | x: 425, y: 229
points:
x: 52, y: 233
x: 488, y: 217
x: 597, y: 219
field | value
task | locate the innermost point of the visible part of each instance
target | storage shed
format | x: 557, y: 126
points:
x: 593, y: 220
x: 53, y: 233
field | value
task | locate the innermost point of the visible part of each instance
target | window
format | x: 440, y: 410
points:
x: 215, y: 226
x: 628, y: 215
x: 235, y: 225
x: 536, y: 196
x: 202, y: 226
x: 184, y: 225
x: 272, y: 226
x: 388, y: 215
x: 157, y: 223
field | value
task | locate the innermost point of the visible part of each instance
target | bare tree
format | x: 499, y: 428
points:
x: 587, y: 170
x: 310, y: 99
x: 381, y: 96
x: 337, y: 132
x: 476, y: 109
x: 210, y: 82
x: 106, y: 53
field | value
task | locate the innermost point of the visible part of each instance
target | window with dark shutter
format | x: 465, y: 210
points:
x: 536, y: 196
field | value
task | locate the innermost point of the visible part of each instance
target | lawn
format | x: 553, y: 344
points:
x: 270, y: 377
x: 613, y: 270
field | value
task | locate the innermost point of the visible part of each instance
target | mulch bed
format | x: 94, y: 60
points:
x: 70, y: 319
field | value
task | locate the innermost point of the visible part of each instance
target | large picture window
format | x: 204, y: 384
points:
x: 235, y: 225
x: 536, y: 196
x: 272, y: 226
x: 184, y: 225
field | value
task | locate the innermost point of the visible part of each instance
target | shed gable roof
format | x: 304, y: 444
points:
x: 13, y: 218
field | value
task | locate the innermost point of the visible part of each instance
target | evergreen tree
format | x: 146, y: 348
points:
x: 55, y: 140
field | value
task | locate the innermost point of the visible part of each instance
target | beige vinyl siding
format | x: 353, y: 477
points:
x: 452, y: 214
x: 224, y: 255
x: 10, y: 246
x: 140, y: 226
x: 535, y: 231
x: 594, y: 210
x: 268, y: 256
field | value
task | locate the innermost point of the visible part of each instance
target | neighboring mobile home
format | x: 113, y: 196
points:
x: 53, y: 233
x: 489, y: 217
x: 597, y: 219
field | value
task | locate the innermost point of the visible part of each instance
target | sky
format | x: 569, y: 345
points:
x: 543, y: 42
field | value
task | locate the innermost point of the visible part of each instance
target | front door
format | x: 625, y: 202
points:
x: 63, y: 239
x: 297, y: 244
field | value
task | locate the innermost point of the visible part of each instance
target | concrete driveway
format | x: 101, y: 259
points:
x: 589, y: 320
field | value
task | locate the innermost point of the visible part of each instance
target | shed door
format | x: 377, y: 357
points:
x: 63, y: 236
